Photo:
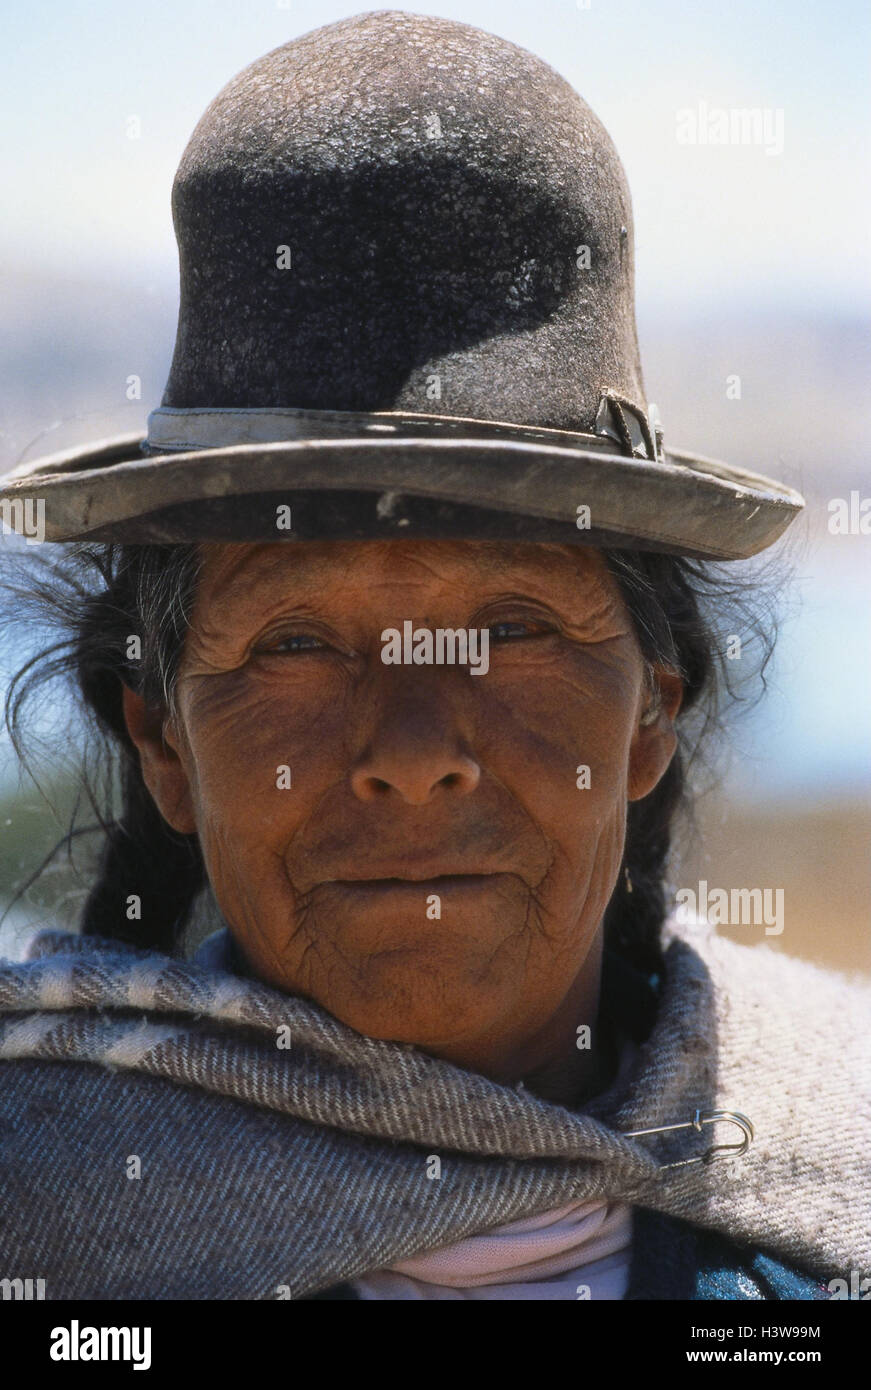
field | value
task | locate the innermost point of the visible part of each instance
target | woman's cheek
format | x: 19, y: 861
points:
x: 574, y: 728
x: 251, y: 754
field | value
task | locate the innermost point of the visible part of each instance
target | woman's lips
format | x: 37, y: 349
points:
x: 411, y: 867
x: 439, y: 883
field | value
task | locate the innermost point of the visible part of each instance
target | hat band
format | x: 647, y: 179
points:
x: 182, y: 429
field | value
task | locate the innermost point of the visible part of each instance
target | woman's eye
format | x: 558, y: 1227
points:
x: 294, y: 642
x: 500, y: 632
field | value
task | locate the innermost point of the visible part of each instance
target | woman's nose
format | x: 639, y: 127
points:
x: 416, y: 751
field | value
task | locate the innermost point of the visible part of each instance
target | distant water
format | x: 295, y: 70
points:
x: 811, y: 733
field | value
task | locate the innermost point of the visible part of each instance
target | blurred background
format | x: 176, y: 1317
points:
x: 752, y: 264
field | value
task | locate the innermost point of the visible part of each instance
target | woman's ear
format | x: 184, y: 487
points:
x: 163, y: 770
x: 655, y: 739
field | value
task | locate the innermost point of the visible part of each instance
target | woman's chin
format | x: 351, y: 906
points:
x: 417, y: 996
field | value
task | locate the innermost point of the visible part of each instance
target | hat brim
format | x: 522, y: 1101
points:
x: 522, y: 483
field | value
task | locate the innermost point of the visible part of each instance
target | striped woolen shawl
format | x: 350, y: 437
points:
x: 265, y: 1169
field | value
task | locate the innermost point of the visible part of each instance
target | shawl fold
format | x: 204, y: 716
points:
x: 158, y: 1139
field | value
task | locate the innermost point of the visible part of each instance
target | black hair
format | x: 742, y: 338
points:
x: 123, y: 610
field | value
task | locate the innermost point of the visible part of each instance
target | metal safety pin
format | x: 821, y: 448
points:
x: 710, y: 1117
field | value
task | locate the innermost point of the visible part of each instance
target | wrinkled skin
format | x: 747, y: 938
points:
x: 410, y: 781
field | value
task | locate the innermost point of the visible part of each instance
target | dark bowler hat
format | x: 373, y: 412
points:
x: 407, y: 309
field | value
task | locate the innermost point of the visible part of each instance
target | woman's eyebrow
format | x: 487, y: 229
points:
x: 245, y: 576
x: 304, y: 572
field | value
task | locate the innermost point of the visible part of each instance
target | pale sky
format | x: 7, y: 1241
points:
x: 711, y: 222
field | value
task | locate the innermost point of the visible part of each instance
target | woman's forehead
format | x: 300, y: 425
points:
x: 242, y: 570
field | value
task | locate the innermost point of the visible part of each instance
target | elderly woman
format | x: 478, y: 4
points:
x: 400, y: 699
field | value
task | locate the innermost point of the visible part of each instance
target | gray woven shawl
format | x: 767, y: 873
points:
x: 265, y: 1171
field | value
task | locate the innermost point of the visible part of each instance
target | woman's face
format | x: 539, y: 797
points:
x: 409, y: 845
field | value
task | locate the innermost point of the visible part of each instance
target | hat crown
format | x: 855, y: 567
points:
x: 407, y: 309
x: 398, y: 212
